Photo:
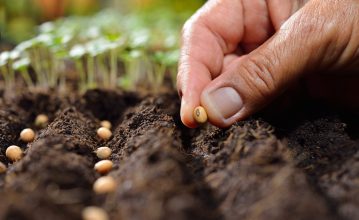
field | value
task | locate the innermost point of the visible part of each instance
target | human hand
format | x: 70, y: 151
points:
x: 238, y: 55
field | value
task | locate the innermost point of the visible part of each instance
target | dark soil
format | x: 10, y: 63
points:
x: 303, y: 164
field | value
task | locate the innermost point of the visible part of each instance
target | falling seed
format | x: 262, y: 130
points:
x: 105, y: 184
x: 2, y: 168
x: 103, y: 152
x: 41, y: 121
x: 200, y: 115
x: 14, y: 153
x: 104, y: 133
x: 27, y: 135
x: 103, y: 166
x: 106, y: 124
x: 94, y: 213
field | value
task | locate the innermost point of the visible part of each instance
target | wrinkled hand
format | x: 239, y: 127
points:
x: 238, y: 55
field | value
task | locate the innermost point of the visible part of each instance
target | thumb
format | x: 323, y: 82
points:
x: 308, y: 40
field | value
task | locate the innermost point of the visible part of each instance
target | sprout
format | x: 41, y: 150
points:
x: 103, y: 166
x: 140, y: 38
x: 46, y: 39
x: 25, y: 45
x: 4, y: 57
x: 77, y: 51
x: 6, y: 72
x: 200, y: 115
x: 15, y: 54
x: 93, y: 32
x: 14, y: 153
x: 47, y: 27
x: 22, y: 65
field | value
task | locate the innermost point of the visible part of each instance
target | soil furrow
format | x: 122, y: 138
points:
x: 56, y: 174
x: 153, y: 170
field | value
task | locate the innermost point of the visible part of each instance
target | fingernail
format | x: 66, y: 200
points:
x: 226, y: 101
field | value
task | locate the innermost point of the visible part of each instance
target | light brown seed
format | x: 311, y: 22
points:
x: 106, y: 124
x: 14, y: 153
x: 105, y: 184
x: 27, y: 135
x: 103, y: 152
x: 41, y: 121
x: 104, y: 133
x: 2, y: 168
x: 94, y: 213
x: 103, y: 166
x: 200, y: 115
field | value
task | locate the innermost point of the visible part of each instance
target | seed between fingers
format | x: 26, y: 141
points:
x: 200, y: 115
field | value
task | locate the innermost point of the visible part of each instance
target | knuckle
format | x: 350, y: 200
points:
x: 258, y: 73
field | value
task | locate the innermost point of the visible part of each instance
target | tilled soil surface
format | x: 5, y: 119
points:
x: 303, y: 164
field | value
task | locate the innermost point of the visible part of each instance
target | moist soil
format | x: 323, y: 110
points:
x: 300, y: 164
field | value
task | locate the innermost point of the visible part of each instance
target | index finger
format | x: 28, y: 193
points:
x: 214, y: 31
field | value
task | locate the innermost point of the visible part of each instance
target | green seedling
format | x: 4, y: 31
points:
x: 77, y: 53
x: 4, y: 59
x: 22, y: 65
x: 108, y: 49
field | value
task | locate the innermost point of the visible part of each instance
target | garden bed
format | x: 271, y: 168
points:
x: 303, y: 166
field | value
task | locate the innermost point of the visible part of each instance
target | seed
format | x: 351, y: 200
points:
x: 94, y: 213
x: 103, y: 166
x: 27, y: 135
x: 200, y: 115
x: 14, y: 153
x: 106, y: 124
x: 2, y: 168
x: 103, y: 152
x: 105, y: 184
x: 104, y: 133
x: 41, y: 121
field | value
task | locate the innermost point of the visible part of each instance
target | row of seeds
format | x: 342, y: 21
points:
x: 102, y: 185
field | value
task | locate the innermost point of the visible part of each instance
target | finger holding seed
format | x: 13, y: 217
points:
x: 41, y: 120
x: 2, y: 167
x: 27, y: 135
x: 94, y: 213
x: 104, y: 133
x: 105, y: 184
x: 106, y: 124
x: 103, y: 166
x: 200, y: 115
x: 103, y: 152
x: 14, y: 153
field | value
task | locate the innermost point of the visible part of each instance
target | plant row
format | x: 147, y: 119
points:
x: 107, y: 50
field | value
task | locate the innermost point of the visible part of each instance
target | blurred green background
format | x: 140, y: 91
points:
x: 19, y: 18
